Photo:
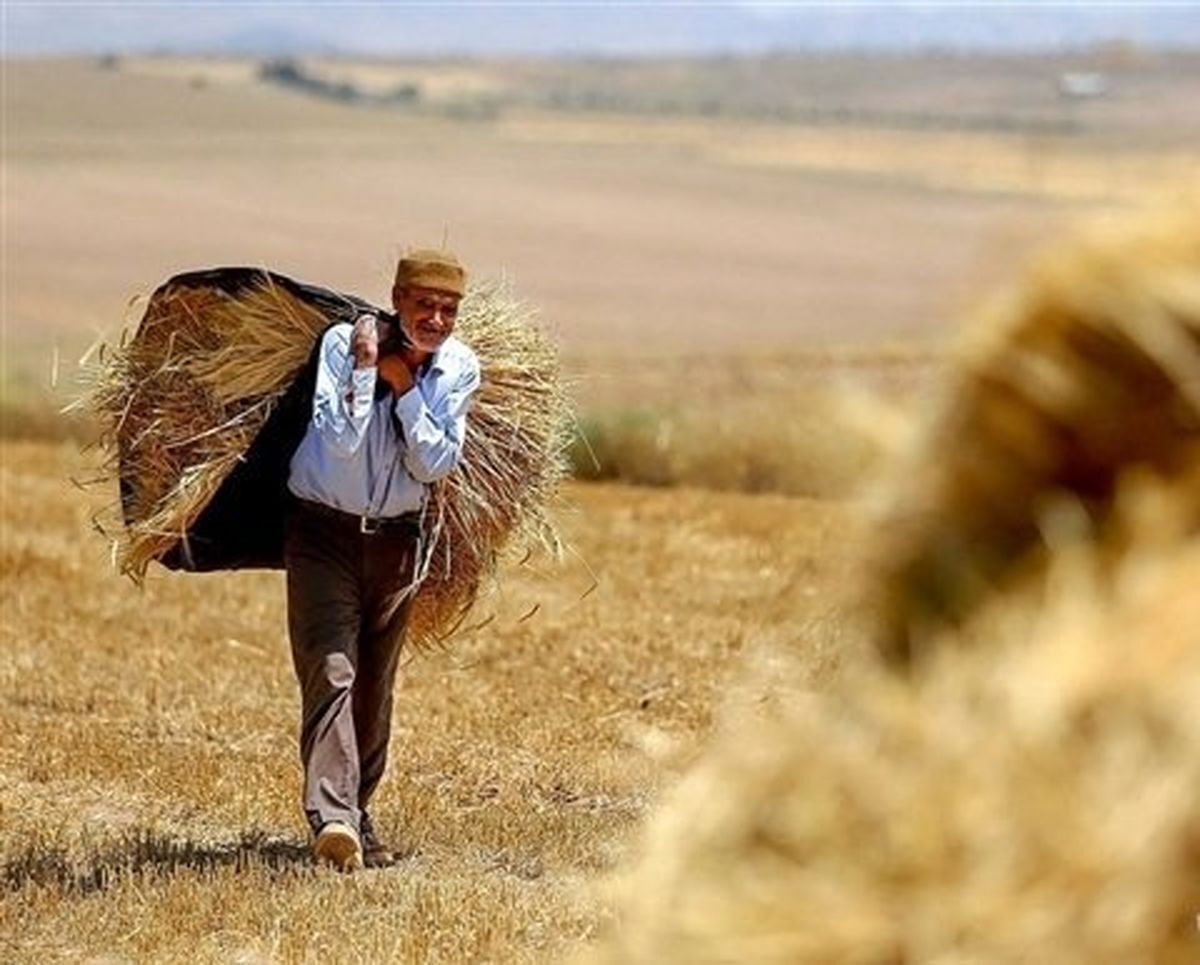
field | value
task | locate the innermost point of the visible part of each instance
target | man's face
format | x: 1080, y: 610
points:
x: 426, y: 315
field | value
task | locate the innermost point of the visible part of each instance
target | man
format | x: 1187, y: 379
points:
x: 388, y: 418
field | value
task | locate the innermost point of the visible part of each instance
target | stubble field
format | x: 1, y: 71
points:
x: 759, y: 284
x: 151, y: 764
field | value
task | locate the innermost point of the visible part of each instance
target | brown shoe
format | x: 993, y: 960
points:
x: 375, y: 853
x: 338, y: 845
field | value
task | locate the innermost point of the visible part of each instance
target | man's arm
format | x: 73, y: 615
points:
x: 345, y: 389
x: 434, y: 429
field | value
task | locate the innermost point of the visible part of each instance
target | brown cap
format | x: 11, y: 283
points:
x: 431, y: 268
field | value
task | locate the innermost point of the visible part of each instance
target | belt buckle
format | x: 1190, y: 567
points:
x: 368, y: 525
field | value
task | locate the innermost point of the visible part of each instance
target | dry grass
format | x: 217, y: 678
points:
x: 1053, y: 168
x: 818, y: 422
x: 1033, y: 790
x: 153, y: 808
x: 808, y: 445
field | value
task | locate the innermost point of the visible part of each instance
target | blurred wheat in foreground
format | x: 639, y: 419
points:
x: 1033, y: 793
x: 1087, y: 374
x: 1039, y: 798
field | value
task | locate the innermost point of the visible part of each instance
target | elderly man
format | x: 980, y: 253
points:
x: 388, y: 418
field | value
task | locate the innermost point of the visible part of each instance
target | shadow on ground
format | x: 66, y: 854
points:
x: 96, y: 870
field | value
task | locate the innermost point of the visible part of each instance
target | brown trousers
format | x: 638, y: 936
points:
x: 346, y: 620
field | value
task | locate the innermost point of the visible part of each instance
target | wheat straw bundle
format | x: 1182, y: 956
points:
x: 200, y: 411
x: 1031, y: 793
x: 1091, y: 368
x: 1034, y: 799
x: 514, y: 458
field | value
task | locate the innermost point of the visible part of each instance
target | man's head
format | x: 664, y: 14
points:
x: 429, y: 285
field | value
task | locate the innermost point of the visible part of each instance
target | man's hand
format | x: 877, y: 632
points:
x: 364, y: 342
x: 395, y: 372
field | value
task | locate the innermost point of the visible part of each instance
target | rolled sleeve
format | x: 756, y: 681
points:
x: 362, y: 392
x: 344, y: 395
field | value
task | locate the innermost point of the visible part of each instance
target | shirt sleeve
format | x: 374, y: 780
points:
x: 344, y: 395
x: 434, y: 428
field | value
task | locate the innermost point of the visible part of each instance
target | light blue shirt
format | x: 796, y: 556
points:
x: 356, y: 457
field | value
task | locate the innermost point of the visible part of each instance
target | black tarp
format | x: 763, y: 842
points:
x: 242, y: 525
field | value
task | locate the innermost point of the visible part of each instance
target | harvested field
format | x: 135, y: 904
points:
x: 734, y: 298
x: 152, y: 765
x: 118, y: 180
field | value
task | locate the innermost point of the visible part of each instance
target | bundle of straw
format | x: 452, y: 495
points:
x: 181, y: 403
x: 514, y: 458
x: 1031, y: 799
x: 1028, y: 792
x: 1091, y: 369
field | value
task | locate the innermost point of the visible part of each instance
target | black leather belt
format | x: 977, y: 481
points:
x: 365, y: 524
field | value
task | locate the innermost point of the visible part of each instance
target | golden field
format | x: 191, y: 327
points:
x: 151, y: 758
x: 742, y: 304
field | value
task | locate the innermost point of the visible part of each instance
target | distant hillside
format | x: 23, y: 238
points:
x: 575, y: 27
x: 1111, y: 95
